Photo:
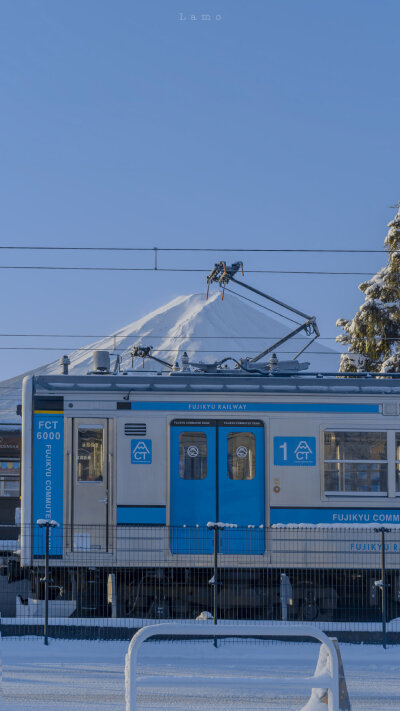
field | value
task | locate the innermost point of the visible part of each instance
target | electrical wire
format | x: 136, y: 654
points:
x: 195, y: 249
x: 10, y: 389
x: 176, y: 269
x: 169, y: 337
x: 156, y: 350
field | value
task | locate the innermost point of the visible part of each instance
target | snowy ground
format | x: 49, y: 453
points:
x: 184, y: 676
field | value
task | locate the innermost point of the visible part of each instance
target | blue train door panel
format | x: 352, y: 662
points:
x: 217, y: 473
x: 241, y: 486
x: 193, y: 495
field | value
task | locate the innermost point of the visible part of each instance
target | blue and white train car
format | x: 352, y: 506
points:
x: 133, y: 467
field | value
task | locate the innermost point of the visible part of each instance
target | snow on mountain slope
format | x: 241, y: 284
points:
x: 207, y: 329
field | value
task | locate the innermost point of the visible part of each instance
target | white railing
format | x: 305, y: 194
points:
x: 329, y: 680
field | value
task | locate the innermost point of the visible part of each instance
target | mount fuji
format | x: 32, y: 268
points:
x: 207, y: 330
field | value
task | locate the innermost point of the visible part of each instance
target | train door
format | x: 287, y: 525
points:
x: 217, y: 473
x: 90, y: 485
x: 241, y: 486
x: 192, y: 485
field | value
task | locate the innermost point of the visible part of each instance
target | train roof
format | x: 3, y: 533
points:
x: 229, y: 382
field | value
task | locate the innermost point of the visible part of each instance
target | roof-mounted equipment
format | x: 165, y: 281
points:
x: 223, y: 274
x: 147, y: 352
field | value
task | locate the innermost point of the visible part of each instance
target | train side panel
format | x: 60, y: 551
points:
x: 118, y: 469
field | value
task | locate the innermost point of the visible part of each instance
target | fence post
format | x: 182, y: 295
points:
x: 216, y: 547
x: 47, y: 525
x: 46, y: 589
x: 214, y: 581
x: 382, y: 582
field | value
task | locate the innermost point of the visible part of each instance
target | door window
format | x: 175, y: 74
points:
x: 90, y: 454
x: 241, y: 453
x: 193, y: 455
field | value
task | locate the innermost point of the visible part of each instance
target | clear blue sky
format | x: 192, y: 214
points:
x: 275, y: 124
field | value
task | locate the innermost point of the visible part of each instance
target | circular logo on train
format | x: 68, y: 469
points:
x: 193, y: 451
x: 242, y: 452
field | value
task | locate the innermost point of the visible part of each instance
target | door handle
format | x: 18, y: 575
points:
x: 103, y: 501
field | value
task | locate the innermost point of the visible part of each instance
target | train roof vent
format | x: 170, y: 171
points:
x: 135, y: 428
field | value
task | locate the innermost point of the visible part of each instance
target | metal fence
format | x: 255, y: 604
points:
x: 107, y: 582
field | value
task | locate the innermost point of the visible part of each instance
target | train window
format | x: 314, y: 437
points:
x: 90, y: 454
x: 193, y: 455
x: 9, y: 478
x: 398, y: 461
x: 241, y: 456
x: 355, y: 462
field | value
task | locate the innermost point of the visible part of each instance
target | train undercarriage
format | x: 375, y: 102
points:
x: 243, y: 594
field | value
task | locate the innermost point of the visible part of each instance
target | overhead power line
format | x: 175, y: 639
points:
x: 282, y: 250
x: 157, y: 350
x: 147, y: 336
x: 167, y: 336
x: 178, y: 269
x: 10, y: 388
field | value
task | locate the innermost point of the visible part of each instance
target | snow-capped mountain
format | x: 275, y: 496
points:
x: 207, y: 329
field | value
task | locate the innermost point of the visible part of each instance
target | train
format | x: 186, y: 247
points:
x: 249, y: 486
x: 10, y: 461
x: 139, y: 469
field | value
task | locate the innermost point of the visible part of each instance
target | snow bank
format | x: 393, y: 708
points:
x: 78, y: 675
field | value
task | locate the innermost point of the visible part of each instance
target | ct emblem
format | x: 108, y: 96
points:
x: 242, y: 452
x: 193, y: 451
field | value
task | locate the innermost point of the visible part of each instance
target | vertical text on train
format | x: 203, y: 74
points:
x: 48, y: 473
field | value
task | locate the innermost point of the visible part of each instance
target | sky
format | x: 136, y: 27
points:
x: 126, y: 123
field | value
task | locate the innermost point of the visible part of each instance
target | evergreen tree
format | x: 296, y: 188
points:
x: 374, y: 332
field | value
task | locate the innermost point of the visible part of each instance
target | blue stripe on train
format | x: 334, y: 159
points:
x: 147, y: 515
x: 240, y: 407
x: 346, y: 517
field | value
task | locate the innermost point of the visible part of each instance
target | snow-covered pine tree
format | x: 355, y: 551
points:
x: 374, y: 332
